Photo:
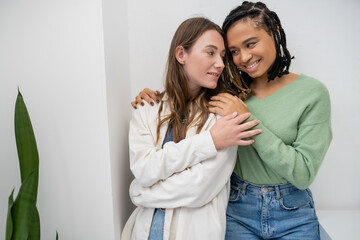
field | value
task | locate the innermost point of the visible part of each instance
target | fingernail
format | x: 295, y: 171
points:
x: 234, y: 113
x: 152, y: 103
x: 259, y: 130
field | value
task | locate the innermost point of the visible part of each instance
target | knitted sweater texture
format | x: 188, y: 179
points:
x: 296, y: 133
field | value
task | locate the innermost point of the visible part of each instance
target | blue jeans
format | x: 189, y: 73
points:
x: 157, y: 225
x: 270, y: 212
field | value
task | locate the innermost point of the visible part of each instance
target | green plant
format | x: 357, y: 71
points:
x: 23, y: 220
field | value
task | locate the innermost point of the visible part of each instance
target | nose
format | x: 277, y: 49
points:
x: 219, y: 64
x: 245, y: 56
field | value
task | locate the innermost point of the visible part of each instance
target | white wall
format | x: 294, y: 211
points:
x: 54, y: 51
x: 324, y: 38
x: 119, y: 109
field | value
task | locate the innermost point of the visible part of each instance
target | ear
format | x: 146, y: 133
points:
x: 180, y: 54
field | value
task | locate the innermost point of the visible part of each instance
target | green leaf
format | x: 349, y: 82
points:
x: 9, y: 221
x: 24, y: 208
x: 26, y: 143
x: 25, y: 216
x: 57, y: 235
x: 35, y: 226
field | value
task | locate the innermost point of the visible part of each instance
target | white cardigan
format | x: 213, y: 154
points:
x: 189, y: 178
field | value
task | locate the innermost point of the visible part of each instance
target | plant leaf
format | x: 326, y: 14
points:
x: 9, y: 221
x: 35, y: 226
x: 24, y: 208
x: 57, y: 235
x: 26, y: 143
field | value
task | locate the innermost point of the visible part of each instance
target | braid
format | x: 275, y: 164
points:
x: 270, y: 22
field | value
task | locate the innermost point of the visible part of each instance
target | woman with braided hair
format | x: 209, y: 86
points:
x: 269, y: 197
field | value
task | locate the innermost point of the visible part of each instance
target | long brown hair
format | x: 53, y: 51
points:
x: 185, y: 110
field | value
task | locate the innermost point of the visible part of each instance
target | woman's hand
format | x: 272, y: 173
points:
x: 229, y: 131
x: 148, y: 95
x: 225, y: 104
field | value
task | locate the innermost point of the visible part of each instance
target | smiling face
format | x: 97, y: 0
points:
x: 252, y: 48
x: 203, y: 62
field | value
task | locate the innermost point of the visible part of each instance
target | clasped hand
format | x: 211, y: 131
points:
x: 229, y: 130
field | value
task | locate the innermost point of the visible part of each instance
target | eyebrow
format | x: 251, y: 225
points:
x: 249, y: 39
x: 213, y: 46
x: 244, y: 42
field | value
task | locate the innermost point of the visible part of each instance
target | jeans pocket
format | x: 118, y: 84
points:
x: 295, y: 200
x: 234, y: 194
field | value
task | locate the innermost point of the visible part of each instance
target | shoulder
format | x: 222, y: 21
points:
x: 315, y: 97
x: 310, y: 82
x: 312, y: 87
x: 148, y: 113
x: 147, y: 109
x: 145, y: 112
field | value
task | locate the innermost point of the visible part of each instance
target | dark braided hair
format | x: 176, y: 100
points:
x: 270, y: 22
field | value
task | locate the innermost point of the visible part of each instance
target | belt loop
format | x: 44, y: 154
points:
x: 277, y: 190
x: 243, y: 188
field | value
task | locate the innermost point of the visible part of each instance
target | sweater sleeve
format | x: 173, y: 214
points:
x: 150, y: 164
x: 193, y: 187
x: 299, y: 162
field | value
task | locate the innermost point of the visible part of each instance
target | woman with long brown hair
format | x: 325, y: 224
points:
x: 181, y: 157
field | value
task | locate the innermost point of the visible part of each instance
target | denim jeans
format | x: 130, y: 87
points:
x: 270, y: 212
x: 157, y: 225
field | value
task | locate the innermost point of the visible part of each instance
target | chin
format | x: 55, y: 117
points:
x: 212, y: 86
x: 254, y: 75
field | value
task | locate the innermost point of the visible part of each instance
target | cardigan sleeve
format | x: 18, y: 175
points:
x: 149, y: 163
x: 299, y: 162
x: 193, y: 187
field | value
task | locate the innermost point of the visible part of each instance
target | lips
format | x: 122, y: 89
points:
x: 214, y: 74
x: 252, y: 66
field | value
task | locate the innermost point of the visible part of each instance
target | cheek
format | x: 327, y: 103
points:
x: 271, y: 56
x: 271, y: 51
x: 235, y: 60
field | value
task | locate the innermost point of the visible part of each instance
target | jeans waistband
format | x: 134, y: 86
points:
x: 249, y: 188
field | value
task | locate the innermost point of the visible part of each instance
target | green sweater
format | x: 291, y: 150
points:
x: 296, y: 133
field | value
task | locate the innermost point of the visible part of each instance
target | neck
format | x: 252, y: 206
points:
x: 261, y: 82
x: 262, y: 88
x: 193, y: 92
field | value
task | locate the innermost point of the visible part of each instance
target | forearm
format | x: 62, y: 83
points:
x: 299, y: 162
x: 193, y: 187
x: 149, y: 163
